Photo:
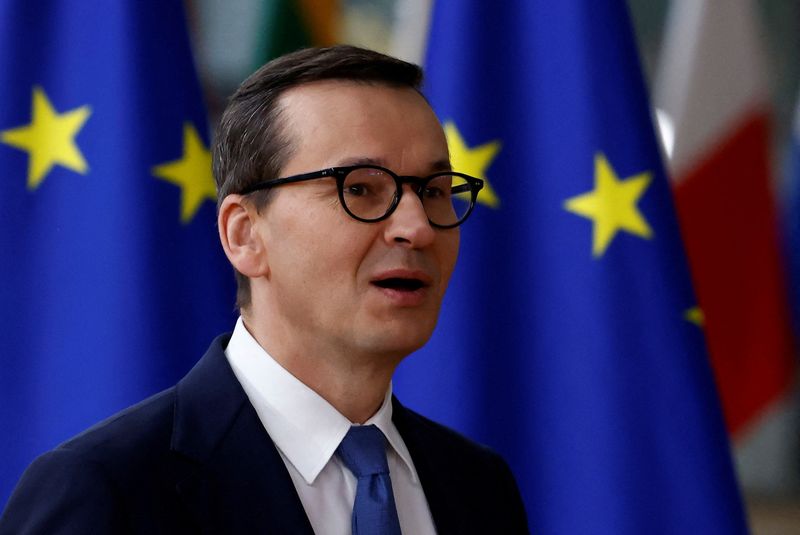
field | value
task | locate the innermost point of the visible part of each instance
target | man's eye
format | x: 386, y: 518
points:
x: 433, y: 192
x: 357, y: 190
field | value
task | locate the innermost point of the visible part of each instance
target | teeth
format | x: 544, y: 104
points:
x: 400, y: 284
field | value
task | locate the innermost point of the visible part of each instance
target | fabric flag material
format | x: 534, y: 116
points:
x: 712, y: 87
x: 113, y: 280
x: 410, y: 29
x: 564, y: 340
x: 793, y: 213
x: 293, y: 24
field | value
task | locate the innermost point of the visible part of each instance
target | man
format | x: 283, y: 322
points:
x: 339, y: 212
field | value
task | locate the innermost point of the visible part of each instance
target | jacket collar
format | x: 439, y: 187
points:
x: 235, y: 480
x: 429, y: 458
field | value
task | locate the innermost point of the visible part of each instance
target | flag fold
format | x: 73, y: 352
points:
x: 113, y: 281
x: 569, y: 339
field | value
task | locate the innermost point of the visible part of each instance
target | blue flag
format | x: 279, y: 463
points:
x: 113, y: 280
x: 570, y: 338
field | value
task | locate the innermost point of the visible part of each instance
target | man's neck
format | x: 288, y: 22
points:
x: 355, y: 385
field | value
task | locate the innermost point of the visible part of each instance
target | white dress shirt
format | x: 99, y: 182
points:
x: 307, y: 430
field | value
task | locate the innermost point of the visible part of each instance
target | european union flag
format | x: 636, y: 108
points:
x: 570, y: 339
x: 113, y: 282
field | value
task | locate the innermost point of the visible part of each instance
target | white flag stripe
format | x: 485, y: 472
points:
x: 711, y: 74
x: 410, y: 31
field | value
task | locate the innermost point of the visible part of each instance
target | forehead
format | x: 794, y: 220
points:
x: 331, y: 122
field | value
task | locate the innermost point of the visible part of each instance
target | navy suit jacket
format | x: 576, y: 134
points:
x: 196, y: 459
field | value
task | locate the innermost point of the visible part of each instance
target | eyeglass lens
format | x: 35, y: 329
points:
x: 368, y: 194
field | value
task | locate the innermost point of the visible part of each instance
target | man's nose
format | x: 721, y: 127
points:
x: 409, y: 223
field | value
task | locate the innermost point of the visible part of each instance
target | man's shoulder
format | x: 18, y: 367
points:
x: 438, y: 439
x: 87, y: 477
x: 126, y: 469
x: 138, y: 430
x: 434, y: 430
x: 146, y: 430
x: 469, y: 481
x: 127, y: 450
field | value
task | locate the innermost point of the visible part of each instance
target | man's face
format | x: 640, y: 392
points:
x: 338, y: 284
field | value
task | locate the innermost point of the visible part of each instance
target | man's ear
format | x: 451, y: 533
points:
x: 240, y: 239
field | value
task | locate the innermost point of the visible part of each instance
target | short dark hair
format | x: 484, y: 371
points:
x: 251, y: 145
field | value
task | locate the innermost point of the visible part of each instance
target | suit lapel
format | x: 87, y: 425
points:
x: 425, y: 455
x: 233, y: 480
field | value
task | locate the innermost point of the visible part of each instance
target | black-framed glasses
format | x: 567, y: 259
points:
x: 371, y: 193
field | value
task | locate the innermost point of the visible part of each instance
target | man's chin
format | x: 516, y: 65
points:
x: 398, y: 345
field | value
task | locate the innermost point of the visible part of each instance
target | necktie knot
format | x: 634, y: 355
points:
x: 363, y: 451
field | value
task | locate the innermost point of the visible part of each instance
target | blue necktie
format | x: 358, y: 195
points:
x: 363, y: 451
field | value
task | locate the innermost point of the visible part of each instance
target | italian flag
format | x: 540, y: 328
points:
x: 293, y: 24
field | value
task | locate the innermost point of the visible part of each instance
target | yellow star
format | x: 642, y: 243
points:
x: 612, y: 205
x: 192, y: 173
x: 49, y: 139
x: 473, y: 161
x: 695, y: 315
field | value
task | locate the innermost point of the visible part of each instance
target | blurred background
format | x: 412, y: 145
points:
x: 232, y: 38
x: 724, y: 82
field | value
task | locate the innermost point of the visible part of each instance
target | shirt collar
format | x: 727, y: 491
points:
x: 303, y: 425
x: 383, y: 421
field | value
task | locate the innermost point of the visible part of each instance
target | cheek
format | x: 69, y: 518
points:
x: 449, y: 255
x: 332, y: 256
x: 305, y: 235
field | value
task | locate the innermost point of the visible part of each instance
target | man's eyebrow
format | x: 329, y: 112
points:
x: 361, y: 160
x: 439, y: 165
x: 442, y: 165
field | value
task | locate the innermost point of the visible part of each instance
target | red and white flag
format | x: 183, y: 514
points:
x: 712, y: 88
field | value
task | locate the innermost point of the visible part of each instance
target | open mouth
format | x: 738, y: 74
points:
x: 400, y: 284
